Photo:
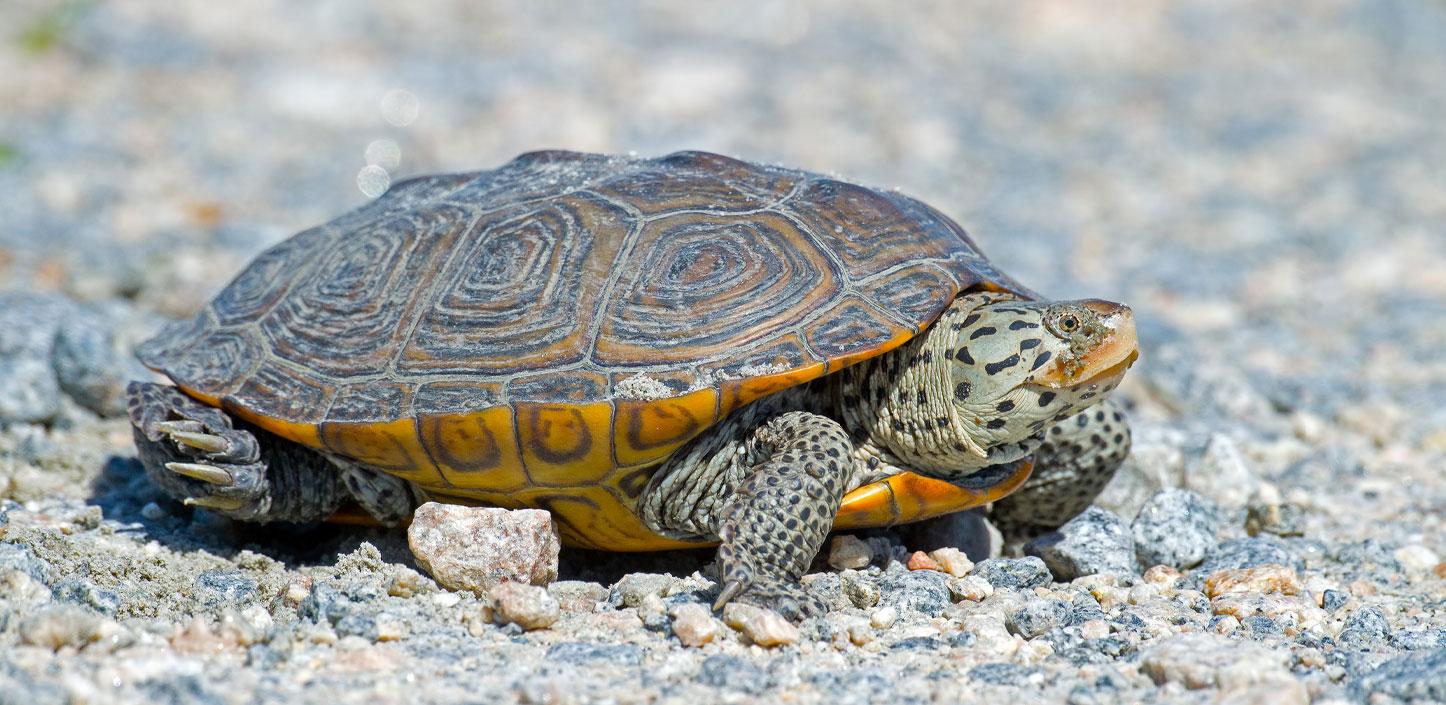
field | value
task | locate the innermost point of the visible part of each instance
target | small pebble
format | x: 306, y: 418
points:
x: 953, y: 561
x: 860, y: 632
x: 478, y: 548
x: 861, y: 591
x: 153, y: 511
x: 633, y: 588
x: 1265, y: 578
x: 883, y: 617
x: 919, y: 560
x: 1014, y: 573
x: 527, y: 606
x: 1094, y: 629
x: 1162, y: 576
x: 847, y: 551
x: 767, y: 628
x: 1175, y: 528
x: 693, y: 624
x: 1096, y: 541
x: 577, y: 595
x: 972, y: 588
x: 1222, y: 473
x: 1038, y: 616
x: 1333, y: 600
x: 390, y: 627
x: 1364, y: 628
x: 1417, y: 558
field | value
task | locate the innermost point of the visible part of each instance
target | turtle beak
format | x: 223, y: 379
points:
x: 1107, y: 360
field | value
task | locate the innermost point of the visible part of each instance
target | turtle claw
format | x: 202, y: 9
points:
x: 182, y: 426
x: 730, y: 590
x: 202, y: 441
x: 221, y: 504
x: 204, y: 473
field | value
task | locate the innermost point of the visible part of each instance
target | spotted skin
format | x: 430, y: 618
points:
x: 1076, y: 459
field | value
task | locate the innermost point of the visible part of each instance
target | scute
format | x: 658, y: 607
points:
x: 520, y: 311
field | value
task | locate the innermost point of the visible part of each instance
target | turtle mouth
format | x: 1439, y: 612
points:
x: 1107, y: 359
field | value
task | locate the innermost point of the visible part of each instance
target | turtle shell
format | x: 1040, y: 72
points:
x: 544, y: 333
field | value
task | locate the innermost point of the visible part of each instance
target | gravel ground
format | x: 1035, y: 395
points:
x: 1262, y: 181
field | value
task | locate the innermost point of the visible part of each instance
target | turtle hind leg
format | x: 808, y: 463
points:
x: 1078, y: 457
x: 777, y: 518
x: 194, y: 453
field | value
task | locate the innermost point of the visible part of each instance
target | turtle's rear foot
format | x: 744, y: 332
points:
x: 194, y: 453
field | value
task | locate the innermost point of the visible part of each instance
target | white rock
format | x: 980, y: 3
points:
x: 527, y: 606
x: 1204, y: 660
x: 693, y: 624
x: 478, y: 548
x: 1417, y: 558
x: 768, y: 628
x: 847, y: 551
x: 952, y: 561
x: 884, y: 617
x: 972, y: 588
x: 1222, y: 473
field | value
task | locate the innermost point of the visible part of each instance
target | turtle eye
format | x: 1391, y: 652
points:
x: 1064, y: 322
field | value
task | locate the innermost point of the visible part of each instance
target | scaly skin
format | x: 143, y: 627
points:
x: 987, y: 384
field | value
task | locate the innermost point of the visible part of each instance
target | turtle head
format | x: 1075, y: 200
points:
x: 1019, y: 366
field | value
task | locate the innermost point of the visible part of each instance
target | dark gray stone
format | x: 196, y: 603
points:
x: 732, y: 672
x: 1085, y: 607
x: 348, y: 614
x: 225, y: 587
x: 1014, y: 573
x: 1176, y: 528
x: 1096, y: 541
x: 584, y: 653
x: 924, y: 591
x: 919, y: 643
x: 85, y: 592
x: 19, y: 557
x: 999, y: 673
x: 29, y: 389
x: 1370, y: 557
x: 1259, y: 626
x: 1420, y: 639
x: 90, y: 368
x: 1333, y: 600
x: 1420, y: 677
x: 1366, y: 628
x: 1038, y: 616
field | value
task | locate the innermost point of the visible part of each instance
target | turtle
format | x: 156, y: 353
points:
x: 668, y: 352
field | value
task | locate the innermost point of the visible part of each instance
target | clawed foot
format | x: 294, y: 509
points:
x: 192, y: 452
x: 790, y: 600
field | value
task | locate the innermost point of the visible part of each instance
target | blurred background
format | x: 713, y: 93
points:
x: 1264, y: 181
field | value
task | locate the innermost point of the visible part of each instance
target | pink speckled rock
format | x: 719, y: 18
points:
x: 477, y: 548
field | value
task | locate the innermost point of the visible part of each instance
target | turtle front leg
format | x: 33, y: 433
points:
x: 1078, y: 457
x: 770, y: 495
x: 195, y: 454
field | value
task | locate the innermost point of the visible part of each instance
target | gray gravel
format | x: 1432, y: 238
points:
x: 1260, y: 180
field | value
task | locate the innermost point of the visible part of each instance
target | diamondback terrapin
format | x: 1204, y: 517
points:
x: 661, y: 352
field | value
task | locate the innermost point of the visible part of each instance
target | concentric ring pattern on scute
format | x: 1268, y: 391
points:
x: 518, y: 307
